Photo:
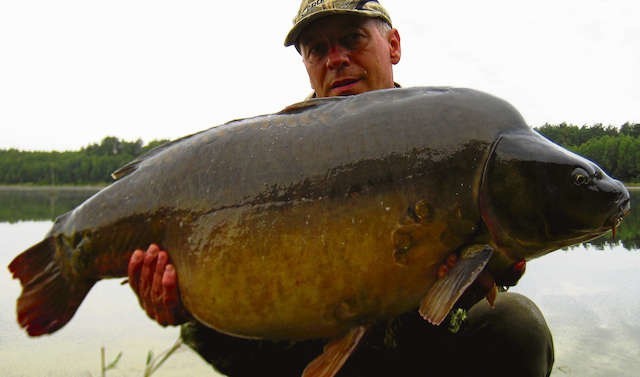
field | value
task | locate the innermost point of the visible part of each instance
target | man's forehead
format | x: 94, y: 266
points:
x: 335, y: 24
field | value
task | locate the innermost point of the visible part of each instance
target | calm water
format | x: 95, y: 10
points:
x: 590, y: 296
x: 109, y: 317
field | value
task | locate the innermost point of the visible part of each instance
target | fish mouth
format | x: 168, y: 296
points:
x: 531, y: 249
x: 614, y: 221
x: 611, y: 223
x: 622, y: 210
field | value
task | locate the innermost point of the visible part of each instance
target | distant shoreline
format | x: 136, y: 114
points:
x: 51, y: 188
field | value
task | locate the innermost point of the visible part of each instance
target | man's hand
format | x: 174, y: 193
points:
x: 155, y: 282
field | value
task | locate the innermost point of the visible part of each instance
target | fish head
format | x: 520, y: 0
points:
x: 536, y: 197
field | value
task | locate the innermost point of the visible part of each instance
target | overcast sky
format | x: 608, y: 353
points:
x: 73, y: 72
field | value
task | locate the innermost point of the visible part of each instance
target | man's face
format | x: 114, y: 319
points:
x: 347, y: 55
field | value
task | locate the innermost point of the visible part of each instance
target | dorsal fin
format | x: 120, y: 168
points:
x: 133, y: 164
x: 291, y: 109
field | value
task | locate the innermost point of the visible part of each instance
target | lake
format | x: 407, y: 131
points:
x: 589, y: 294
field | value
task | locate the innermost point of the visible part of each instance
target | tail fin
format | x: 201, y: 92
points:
x: 49, y: 298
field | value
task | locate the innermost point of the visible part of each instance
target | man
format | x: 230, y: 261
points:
x: 349, y: 52
x: 350, y: 47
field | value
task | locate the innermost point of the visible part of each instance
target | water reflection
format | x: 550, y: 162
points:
x: 589, y: 298
x: 39, y: 203
x: 109, y: 317
x: 628, y: 234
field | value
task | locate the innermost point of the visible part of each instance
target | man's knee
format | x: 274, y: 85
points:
x: 513, y: 336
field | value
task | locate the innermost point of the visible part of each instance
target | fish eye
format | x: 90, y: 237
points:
x: 580, y: 176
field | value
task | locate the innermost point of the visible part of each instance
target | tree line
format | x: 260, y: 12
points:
x: 92, y: 164
x: 615, y: 149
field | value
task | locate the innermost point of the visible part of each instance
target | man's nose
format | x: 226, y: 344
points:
x: 337, y: 56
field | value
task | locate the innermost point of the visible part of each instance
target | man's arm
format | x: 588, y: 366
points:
x: 154, y: 280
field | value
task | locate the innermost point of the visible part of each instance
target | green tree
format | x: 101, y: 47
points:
x: 92, y: 164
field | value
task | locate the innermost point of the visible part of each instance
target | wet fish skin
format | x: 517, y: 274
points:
x: 310, y: 222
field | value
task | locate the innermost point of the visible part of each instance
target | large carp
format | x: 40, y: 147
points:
x: 328, y: 216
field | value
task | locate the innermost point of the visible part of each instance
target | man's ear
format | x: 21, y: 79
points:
x: 394, y: 46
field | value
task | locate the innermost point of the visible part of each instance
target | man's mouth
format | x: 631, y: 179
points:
x: 343, y: 83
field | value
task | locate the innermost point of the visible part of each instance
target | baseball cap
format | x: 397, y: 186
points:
x: 311, y: 10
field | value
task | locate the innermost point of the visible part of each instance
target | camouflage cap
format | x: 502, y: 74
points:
x: 311, y: 10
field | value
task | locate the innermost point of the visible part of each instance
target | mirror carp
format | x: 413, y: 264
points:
x: 333, y: 214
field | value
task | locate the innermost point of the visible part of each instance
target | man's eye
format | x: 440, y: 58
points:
x: 353, y: 40
x: 317, y: 50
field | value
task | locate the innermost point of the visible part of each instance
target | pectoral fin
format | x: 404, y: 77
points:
x: 335, y: 354
x: 446, y: 291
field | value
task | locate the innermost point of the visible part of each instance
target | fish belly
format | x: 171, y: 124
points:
x: 310, y: 269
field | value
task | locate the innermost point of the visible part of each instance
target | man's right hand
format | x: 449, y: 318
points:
x: 154, y: 280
